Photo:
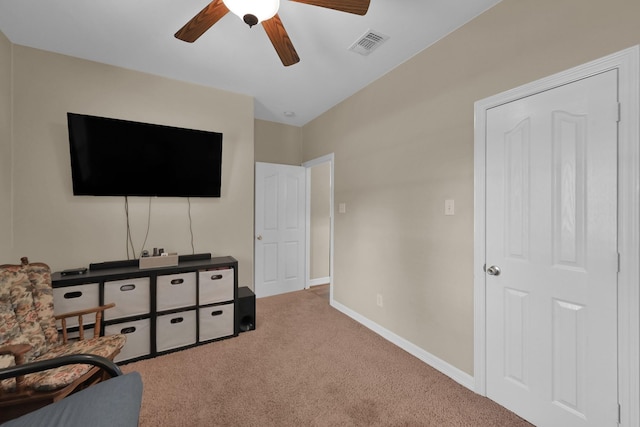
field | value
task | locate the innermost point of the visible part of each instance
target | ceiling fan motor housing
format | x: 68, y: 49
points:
x: 250, y: 19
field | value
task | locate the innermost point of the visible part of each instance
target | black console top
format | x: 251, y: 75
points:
x: 131, y: 270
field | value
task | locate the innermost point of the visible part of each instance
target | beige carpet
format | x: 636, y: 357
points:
x: 306, y: 364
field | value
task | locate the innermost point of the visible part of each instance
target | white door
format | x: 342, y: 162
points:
x: 551, y: 253
x: 280, y: 229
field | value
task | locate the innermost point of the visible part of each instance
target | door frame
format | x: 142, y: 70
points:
x: 627, y: 62
x: 329, y: 158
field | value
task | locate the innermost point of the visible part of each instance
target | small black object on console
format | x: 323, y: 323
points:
x: 74, y: 271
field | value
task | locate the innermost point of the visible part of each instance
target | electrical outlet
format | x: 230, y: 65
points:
x: 379, y: 300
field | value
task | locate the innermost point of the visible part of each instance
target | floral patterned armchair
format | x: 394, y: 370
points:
x: 28, y: 333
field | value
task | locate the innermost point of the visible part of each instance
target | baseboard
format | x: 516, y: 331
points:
x: 451, y: 371
x: 319, y: 281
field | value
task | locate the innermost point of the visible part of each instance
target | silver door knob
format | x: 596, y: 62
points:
x: 259, y: 237
x: 494, y: 270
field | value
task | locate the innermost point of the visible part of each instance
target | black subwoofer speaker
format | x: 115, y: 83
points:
x: 246, y: 314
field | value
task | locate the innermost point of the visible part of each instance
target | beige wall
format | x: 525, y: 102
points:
x: 404, y: 144
x: 278, y: 143
x: 52, y: 225
x: 5, y: 149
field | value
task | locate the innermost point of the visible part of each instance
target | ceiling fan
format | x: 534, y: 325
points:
x: 253, y: 12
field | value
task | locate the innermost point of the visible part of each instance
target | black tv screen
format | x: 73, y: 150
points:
x: 112, y: 157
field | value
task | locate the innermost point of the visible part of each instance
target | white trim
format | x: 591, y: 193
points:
x: 319, y: 160
x: 320, y: 281
x: 627, y: 64
x: 452, y: 372
x: 328, y: 158
x: 307, y: 227
x: 629, y: 237
x: 479, y: 220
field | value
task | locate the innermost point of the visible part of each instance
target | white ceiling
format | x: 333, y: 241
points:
x: 138, y: 35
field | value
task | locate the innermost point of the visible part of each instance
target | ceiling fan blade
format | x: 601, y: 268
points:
x: 202, y: 21
x: 280, y: 40
x: 358, y: 7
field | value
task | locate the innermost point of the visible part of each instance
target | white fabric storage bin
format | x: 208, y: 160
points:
x: 138, y: 333
x: 175, y: 330
x: 175, y: 291
x: 75, y: 298
x: 216, y: 286
x: 131, y: 297
x: 216, y: 321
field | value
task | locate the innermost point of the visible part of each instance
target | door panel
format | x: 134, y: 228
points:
x: 516, y: 316
x: 551, y: 227
x: 280, y: 228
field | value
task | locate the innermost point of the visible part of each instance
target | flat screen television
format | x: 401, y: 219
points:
x: 112, y: 157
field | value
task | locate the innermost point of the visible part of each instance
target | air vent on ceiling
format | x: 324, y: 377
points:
x: 368, y: 42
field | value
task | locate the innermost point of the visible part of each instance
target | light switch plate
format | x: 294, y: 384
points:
x: 449, y: 207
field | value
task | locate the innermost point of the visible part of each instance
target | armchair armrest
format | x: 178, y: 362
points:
x: 18, y: 351
x: 79, y: 314
x: 21, y: 369
x: 88, y: 359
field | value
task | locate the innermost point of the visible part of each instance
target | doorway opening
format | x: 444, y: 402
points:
x: 320, y: 224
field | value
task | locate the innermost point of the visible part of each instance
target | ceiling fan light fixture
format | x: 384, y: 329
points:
x: 253, y: 11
